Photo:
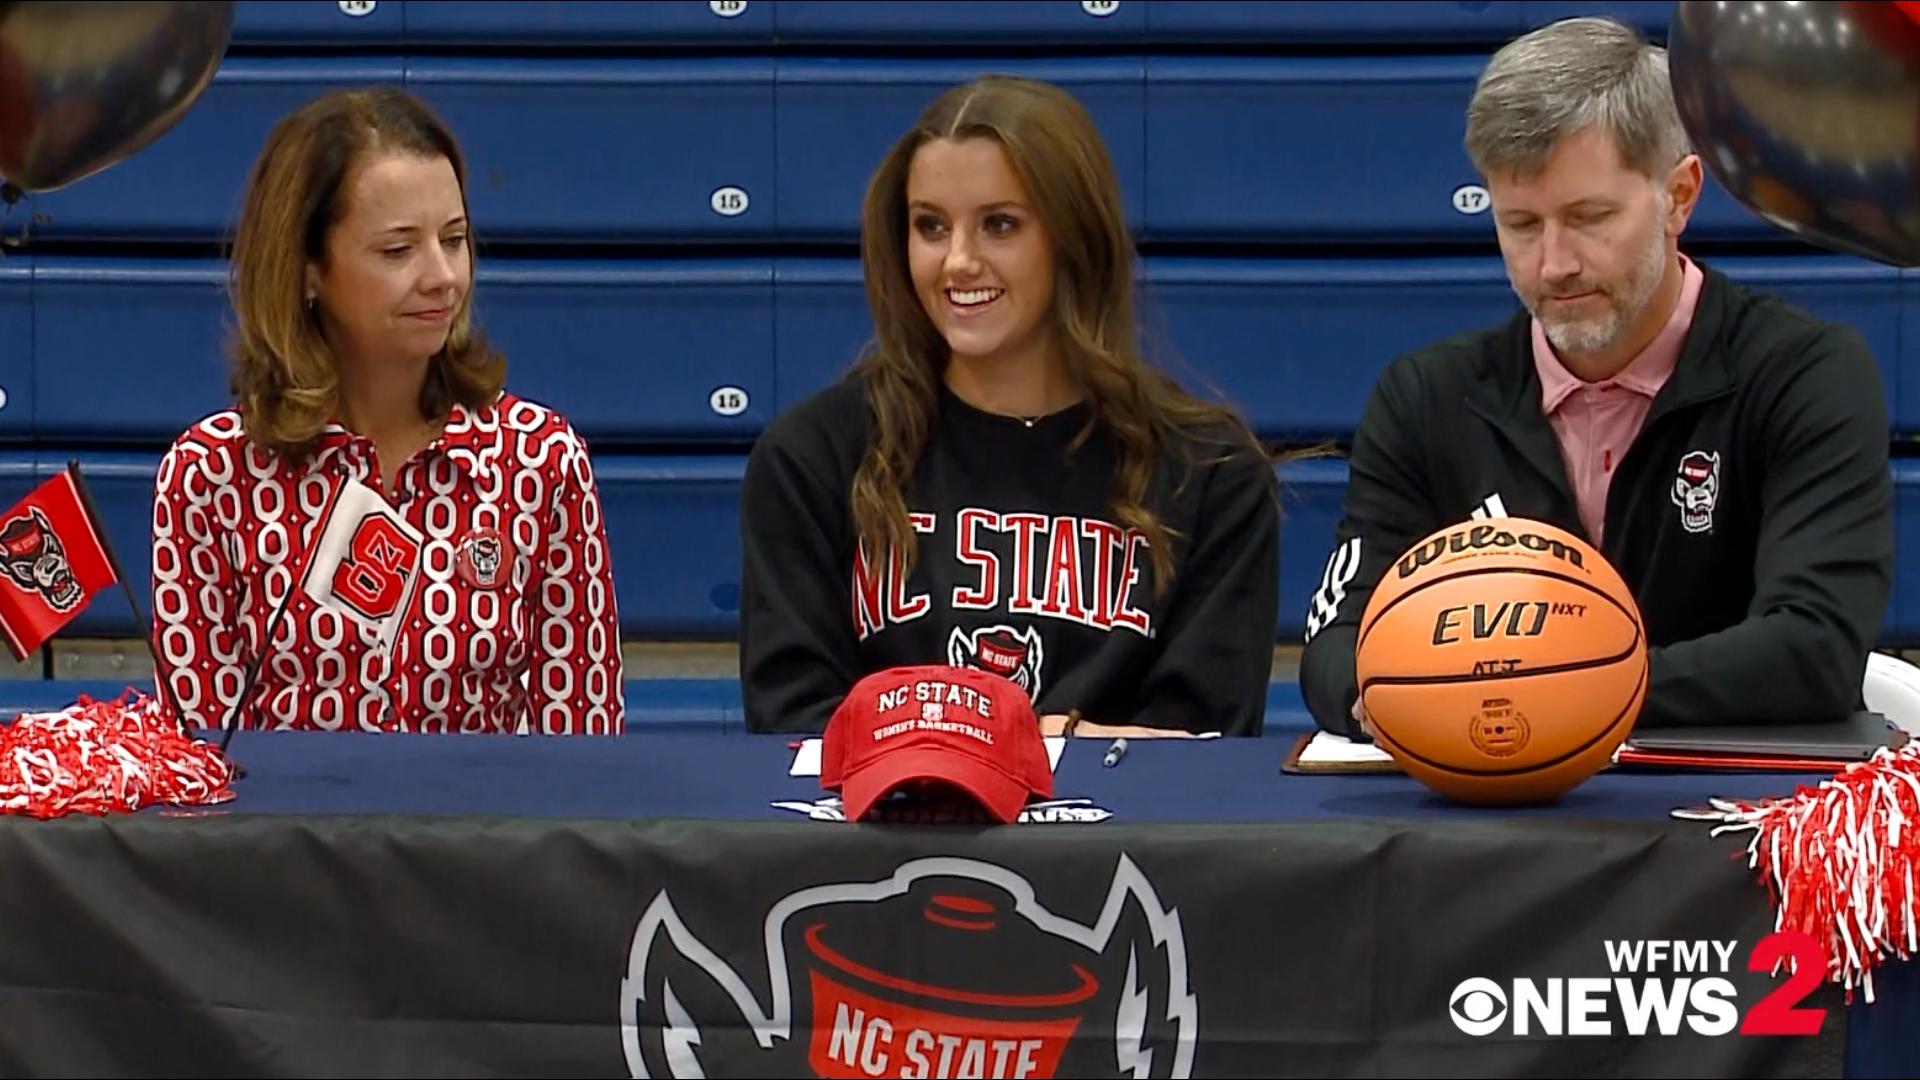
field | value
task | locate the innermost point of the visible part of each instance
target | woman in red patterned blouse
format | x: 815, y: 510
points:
x: 355, y: 360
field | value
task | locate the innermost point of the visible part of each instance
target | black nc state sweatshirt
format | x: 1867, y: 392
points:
x: 1022, y: 569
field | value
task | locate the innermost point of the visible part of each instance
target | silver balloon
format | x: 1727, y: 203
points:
x: 1808, y: 114
x: 84, y: 85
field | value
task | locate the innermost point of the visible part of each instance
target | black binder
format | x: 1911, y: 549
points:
x: 1852, y: 739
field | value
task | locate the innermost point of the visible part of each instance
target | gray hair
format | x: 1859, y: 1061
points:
x: 1568, y: 76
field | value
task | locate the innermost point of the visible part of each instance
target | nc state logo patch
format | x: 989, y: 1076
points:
x: 480, y: 559
x: 1696, y: 491
x: 32, y: 556
x: 1012, y: 654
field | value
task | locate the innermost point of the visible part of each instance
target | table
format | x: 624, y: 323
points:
x: 641, y: 906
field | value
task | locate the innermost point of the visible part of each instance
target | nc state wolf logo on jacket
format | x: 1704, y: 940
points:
x: 950, y: 967
x: 33, y: 557
x: 1697, y: 489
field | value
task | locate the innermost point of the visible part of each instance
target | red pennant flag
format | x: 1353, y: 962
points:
x: 365, y: 564
x: 53, y: 559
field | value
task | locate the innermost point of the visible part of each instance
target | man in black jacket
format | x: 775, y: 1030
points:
x: 1726, y: 451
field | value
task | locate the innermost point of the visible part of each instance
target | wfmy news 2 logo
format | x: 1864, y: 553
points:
x: 1657, y: 988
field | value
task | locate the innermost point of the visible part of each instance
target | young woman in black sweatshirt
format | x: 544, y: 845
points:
x: 1003, y: 481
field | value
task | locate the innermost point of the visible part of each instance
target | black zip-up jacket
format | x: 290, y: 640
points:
x: 1752, y: 516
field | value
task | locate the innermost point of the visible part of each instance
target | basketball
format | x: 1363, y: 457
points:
x: 1501, y: 661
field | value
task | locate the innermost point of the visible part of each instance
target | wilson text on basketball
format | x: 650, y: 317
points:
x: 1478, y: 537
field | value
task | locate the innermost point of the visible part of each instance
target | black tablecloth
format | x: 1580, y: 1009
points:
x: 651, y: 905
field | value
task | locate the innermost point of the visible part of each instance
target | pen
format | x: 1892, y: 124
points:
x: 1114, y: 753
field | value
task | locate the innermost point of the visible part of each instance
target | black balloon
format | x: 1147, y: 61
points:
x: 1808, y: 113
x: 84, y: 85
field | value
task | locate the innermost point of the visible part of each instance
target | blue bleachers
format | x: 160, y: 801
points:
x: 315, y: 23
x: 628, y: 350
x: 672, y: 524
x: 1298, y: 343
x: 602, y: 150
x: 1650, y: 16
x: 572, y: 22
x: 16, y: 345
x: 1309, y: 21
x: 150, y: 330
x: 1383, y: 22
x: 668, y: 197
x: 1364, y: 150
x: 820, y: 321
x: 1904, y: 617
x: 957, y: 22
x: 838, y: 118
x: 1308, y: 148
x: 637, y: 351
x: 187, y: 184
x: 909, y: 23
x: 634, y: 351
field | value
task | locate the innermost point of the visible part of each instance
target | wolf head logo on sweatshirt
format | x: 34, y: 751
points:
x: 1015, y: 655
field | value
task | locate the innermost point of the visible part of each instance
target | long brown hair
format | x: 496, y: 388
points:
x: 284, y: 376
x: 1061, y: 159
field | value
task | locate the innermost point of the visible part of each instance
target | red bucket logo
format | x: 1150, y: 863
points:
x: 949, y: 968
x: 868, y: 1023
x: 1014, y: 654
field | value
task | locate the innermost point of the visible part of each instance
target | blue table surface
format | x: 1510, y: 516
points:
x: 710, y: 775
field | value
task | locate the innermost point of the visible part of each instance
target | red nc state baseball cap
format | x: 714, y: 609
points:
x: 971, y: 729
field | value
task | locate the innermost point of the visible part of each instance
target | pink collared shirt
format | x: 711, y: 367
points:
x: 1596, y: 422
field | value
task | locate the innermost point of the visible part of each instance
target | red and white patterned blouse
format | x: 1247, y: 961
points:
x: 513, y: 626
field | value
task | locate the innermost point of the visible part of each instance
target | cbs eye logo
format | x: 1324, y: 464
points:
x: 1478, y: 1006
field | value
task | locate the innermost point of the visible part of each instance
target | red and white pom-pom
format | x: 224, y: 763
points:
x: 97, y: 757
x: 1840, y: 860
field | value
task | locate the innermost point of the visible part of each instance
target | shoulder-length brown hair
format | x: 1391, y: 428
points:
x: 284, y: 377
x: 1060, y: 157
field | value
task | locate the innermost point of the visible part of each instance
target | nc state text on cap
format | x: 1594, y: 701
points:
x: 945, y: 693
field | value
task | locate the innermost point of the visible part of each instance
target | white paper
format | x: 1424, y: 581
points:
x: 1326, y: 748
x: 806, y: 760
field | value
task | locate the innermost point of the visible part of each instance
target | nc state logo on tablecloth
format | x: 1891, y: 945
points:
x: 479, y: 559
x: 947, y: 967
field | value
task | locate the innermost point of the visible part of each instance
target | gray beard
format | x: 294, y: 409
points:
x: 1593, y: 335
